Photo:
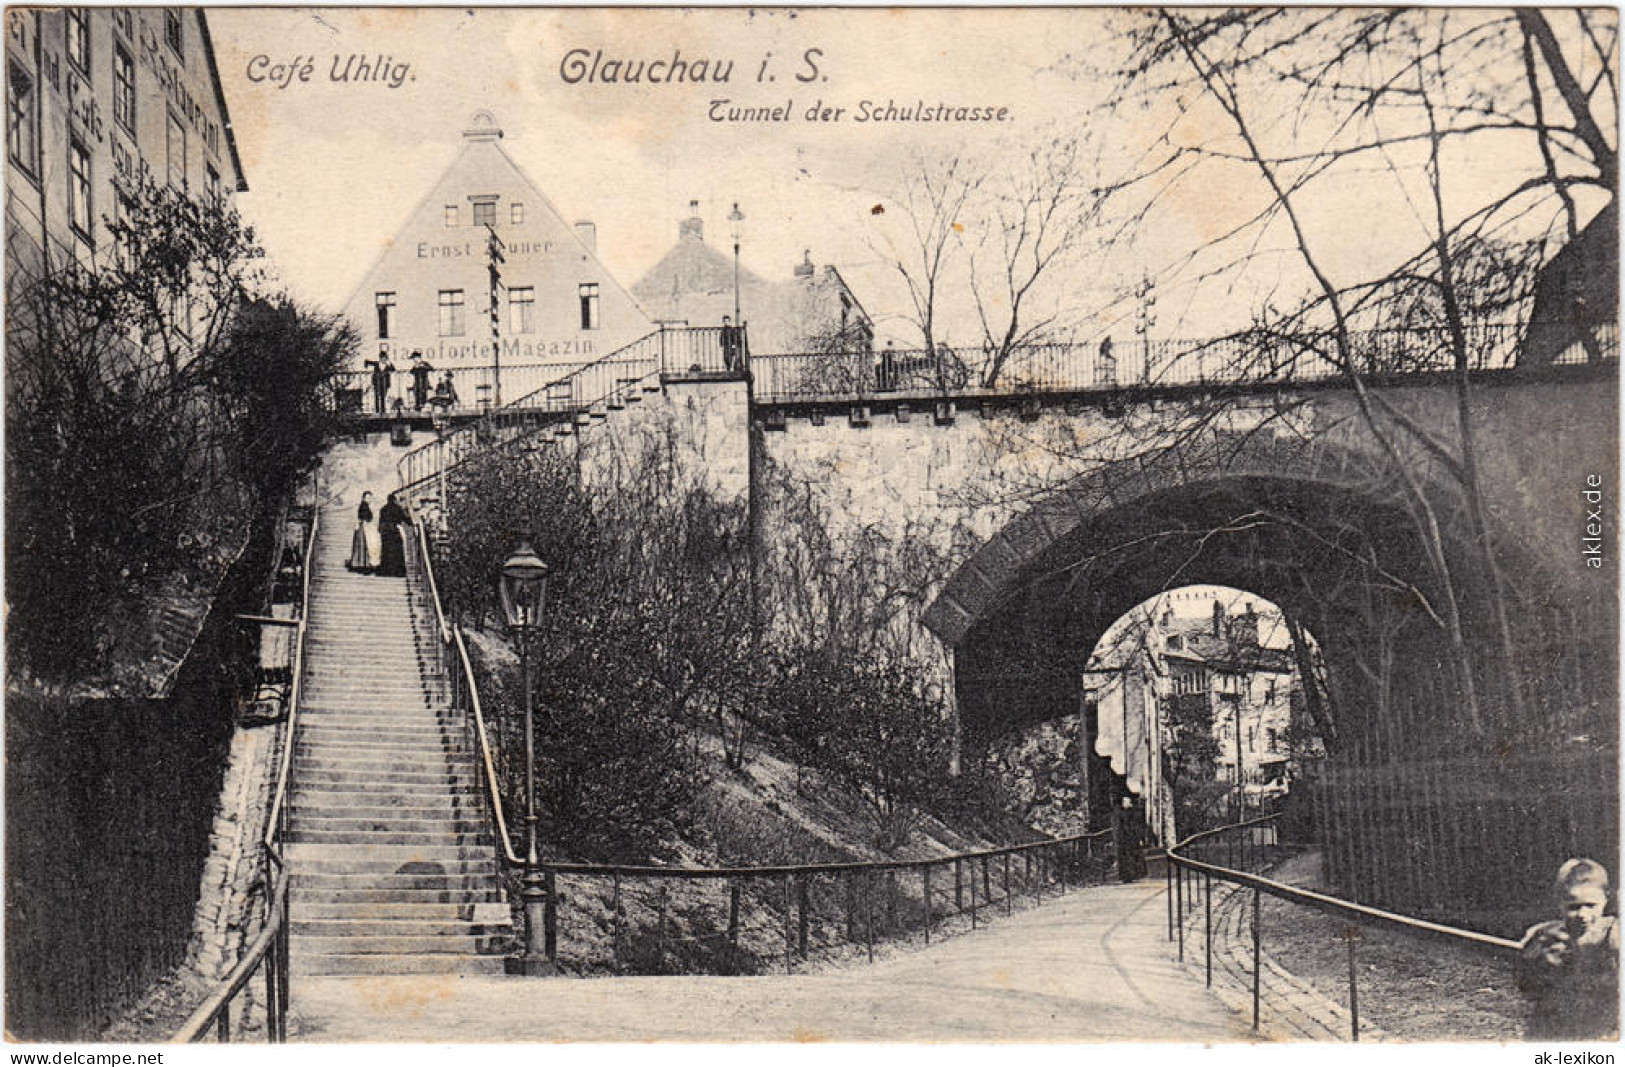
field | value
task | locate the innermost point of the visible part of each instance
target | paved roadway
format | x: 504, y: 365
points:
x: 1093, y: 966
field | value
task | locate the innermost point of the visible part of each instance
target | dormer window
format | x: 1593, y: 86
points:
x: 1176, y: 642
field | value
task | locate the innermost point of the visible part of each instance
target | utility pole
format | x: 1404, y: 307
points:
x: 494, y: 252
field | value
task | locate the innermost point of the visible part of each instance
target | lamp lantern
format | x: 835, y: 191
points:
x: 523, y: 589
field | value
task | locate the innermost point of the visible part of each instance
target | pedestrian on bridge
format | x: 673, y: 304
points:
x: 1569, y: 967
x: 420, y: 380
x: 733, y: 345
x: 445, y: 394
x: 382, y: 373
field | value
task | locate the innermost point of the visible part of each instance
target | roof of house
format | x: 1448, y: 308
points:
x: 694, y: 283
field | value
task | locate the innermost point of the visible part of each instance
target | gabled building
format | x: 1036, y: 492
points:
x: 1160, y: 673
x: 431, y: 290
x: 99, y: 95
x: 693, y: 285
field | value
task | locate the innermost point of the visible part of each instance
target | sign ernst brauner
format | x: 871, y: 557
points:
x: 810, y: 524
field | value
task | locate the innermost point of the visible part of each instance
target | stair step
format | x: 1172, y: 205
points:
x: 346, y: 790
x: 383, y: 705
x: 391, y: 929
x: 491, y: 913
x: 411, y: 718
x: 393, y: 888
x: 430, y: 754
x: 388, y: 804
x: 308, y: 771
x: 339, y: 729
x: 368, y: 838
x: 307, y: 945
x: 338, y: 965
x: 442, y: 860
x: 370, y: 762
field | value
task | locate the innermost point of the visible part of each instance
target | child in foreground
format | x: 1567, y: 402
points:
x: 1570, y: 966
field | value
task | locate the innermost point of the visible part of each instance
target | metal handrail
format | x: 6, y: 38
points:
x: 272, y: 942
x: 1346, y: 909
x: 1181, y: 902
x: 215, y: 1011
x: 518, y: 406
x: 454, y: 654
x: 277, y: 824
x: 810, y: 869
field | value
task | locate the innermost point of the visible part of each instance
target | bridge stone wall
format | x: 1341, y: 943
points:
x: 702, y: 425
x: 964, y: 483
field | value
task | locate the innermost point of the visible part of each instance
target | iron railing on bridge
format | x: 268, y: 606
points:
x: 1226, y: 853
x: 1254, y: 357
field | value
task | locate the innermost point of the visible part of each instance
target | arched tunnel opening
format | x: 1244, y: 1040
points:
x: 1453, y: 781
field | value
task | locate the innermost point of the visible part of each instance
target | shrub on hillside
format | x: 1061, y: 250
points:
x: 152, y: 414
x: 645, y: 638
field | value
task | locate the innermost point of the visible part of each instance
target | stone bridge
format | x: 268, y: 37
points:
x: 998, y: 536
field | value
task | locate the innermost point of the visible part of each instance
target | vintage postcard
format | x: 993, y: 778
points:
x: 812, y: 524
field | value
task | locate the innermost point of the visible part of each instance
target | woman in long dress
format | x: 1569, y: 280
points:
x: 392, y: 521
x: 364, y: 546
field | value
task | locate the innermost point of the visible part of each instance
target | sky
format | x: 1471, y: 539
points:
x: 335, y: 166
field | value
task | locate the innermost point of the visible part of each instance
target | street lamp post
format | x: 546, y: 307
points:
x: 523, y: 589
x: 736, y: 220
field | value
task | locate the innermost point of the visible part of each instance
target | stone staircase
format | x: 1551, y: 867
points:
x: 392, y: 862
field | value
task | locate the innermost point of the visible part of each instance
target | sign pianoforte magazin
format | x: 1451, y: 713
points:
x: 1206, y: 416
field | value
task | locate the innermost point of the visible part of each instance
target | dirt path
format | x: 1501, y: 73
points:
x: 1094, y: 966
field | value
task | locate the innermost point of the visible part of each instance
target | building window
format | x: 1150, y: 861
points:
x: 589, y: 305
x: 173, y: 33
x: 386, y: 315
x: 451, y: 313
x: 522, y: 310
x: 79, y: 187
x: 176, y: 148
x: 123, y: 88
x: 121, y: 19
x: 214, y: 180
x: 79, y: 39
x: 516, y: 213
x: 485, y: 213
x: 22, y: 125
x: 451, y: 215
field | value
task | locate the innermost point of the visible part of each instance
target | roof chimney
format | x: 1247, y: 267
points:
x: 692, y: 226
x: 482, y: 126
x: 804, y: 269
x: 587, y: 234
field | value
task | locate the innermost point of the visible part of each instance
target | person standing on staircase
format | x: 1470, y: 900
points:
x: 392, y: 523
x: 364, y: 546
